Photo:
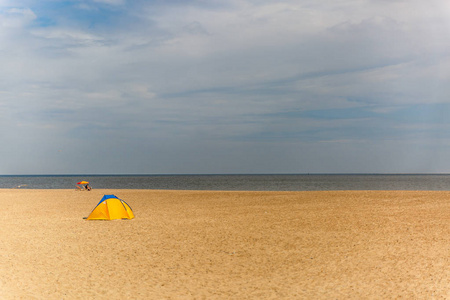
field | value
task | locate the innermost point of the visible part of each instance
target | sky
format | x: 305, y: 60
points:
x: 218, y: 87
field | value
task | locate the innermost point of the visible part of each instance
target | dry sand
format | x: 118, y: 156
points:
x: 226, y: 245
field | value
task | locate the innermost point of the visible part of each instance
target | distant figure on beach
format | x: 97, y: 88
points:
x: 83, y: 186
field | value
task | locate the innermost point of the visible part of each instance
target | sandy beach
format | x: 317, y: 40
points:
x: 226, y: 245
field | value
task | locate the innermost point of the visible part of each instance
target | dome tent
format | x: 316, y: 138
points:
x: 111, y: 208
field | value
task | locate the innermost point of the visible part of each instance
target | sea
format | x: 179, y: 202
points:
x: 251, y: 182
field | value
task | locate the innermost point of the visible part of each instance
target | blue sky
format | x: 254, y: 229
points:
x: 239, y: 86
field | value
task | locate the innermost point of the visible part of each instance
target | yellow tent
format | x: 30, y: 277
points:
x: 111, y: 208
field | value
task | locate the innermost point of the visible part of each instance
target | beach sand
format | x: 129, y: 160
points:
x: 226, y: 245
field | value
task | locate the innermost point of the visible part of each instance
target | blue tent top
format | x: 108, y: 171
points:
x: 106, y: 197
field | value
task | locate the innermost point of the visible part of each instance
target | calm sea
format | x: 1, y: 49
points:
x: 303, y: 182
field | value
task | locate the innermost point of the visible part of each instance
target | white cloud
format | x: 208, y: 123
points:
x: 16, y: 17
x: 67, y: 36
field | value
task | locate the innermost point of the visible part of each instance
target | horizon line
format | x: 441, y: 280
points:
x: 221, y: 174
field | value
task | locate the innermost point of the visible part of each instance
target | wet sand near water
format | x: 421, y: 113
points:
x: 226, y: 245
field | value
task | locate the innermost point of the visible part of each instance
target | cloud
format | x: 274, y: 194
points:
x: 16, y: 17
x: 111, y: 2
x: 211, y: 77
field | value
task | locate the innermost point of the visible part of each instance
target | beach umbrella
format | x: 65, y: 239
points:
x: 83, y: 182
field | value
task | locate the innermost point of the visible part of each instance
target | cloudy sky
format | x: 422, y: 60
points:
x: 235, y: 86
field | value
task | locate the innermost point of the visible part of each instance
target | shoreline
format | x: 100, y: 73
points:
x: 226, y: 244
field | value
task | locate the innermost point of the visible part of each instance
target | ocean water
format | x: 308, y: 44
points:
x: 302, y: 182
